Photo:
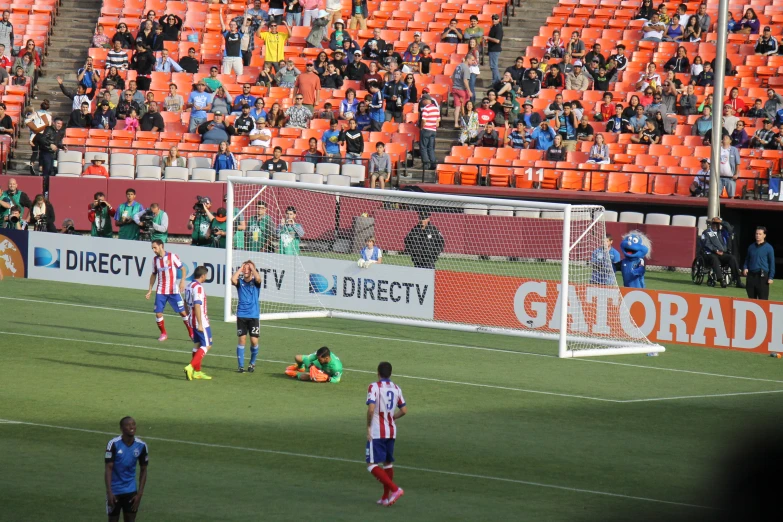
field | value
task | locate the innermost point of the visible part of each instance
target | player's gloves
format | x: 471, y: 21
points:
x: 317, y: 375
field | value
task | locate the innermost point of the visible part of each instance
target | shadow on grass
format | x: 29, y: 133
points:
x: 137, y: 357
x: 110, y: 368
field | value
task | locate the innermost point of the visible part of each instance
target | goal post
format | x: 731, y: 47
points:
x: 469, y: 264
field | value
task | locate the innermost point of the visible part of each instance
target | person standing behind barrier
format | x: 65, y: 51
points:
x: 759, y: 267
x: 424, y: 243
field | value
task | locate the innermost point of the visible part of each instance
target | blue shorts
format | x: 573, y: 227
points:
x: 203, y: 338
x: 380, y: 450
x: 175, y: 300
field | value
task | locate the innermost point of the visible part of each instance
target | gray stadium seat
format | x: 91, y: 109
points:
x: 702, y: 224
x: 476, y: 210
x: 631, y: 217
x: 356, y: 172
x: 610, y: 216
x: 70, y: 156
x: 259, y: 174
x: 203, y: 175
x: 152, y: 160
x: 657, y: 219
x: 147, y: 172
x: 681, y: 220
x: 501, y: 210
x: 198, y: 162
x: 122, y: 171
x: 69, y: 168
x: 284, y: 176
x: 122, y: 159
x: 311, y: 178
x: 224, y: 174
x: 327, y: 168
x: 175, y: 174
x: 250, y: 164
x: 339, y: 180
x: 528, y: 213
x: 302, y: 167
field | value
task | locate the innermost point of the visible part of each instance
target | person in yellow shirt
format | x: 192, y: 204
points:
x: 274, y: 43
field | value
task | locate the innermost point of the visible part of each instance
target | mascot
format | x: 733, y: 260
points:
x: 635, y: 247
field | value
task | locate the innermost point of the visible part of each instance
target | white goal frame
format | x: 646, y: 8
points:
x: 613, y: 347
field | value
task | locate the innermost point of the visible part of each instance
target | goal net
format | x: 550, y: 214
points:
x: 439, y: 261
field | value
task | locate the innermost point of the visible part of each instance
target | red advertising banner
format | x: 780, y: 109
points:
x: 664, y: 317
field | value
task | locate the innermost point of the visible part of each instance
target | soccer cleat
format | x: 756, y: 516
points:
x: 189, y: 372
x: 201, y: 375
x: 241, y: 370
x: 382, y: 502
x: 251, y: 368
x: 395, y: 496
x: 163, y: 337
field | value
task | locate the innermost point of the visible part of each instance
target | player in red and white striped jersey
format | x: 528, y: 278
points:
x: 165, y: 266
x: 384, y: 406
x: 196, y: 305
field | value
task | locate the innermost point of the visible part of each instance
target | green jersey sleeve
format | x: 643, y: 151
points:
x: 335, y: 369
x: 309, y: 360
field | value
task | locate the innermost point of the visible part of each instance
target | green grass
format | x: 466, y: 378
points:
x: 86, y: 366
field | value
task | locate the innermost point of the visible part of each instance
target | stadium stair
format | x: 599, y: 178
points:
x: 528, y: 19
x: 70, y: 41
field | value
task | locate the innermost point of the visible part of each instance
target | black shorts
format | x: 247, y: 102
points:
x: 247, y: 325
x: 124, y: 503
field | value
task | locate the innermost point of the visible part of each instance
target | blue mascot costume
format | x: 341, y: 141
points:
x: 635, y: 247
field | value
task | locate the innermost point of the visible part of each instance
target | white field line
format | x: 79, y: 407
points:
x: 352, y: 461
x: 460, y: 383
x: 702, y: 396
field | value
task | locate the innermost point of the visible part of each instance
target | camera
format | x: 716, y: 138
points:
x: 146, y: 219
x: 69, y: 229
x: 99, y: 205
x: 200, y: 206
x: 40, y: 223
x: 14, y: 219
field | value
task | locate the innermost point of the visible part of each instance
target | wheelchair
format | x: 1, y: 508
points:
x: 700, y: 269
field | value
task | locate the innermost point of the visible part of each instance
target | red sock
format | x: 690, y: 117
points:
x: 161, y: 326
x: 389, y: 473
x: 383, y: 478
x: 195, y: 362
x: 190, y: 330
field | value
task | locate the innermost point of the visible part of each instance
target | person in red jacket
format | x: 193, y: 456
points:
x: 97, y: 168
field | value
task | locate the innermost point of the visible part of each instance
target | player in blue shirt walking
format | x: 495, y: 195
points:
x: 248, y: 291
x: 122, y: 455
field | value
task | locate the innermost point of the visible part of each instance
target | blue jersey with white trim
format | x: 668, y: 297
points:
x: 123, y: 475
x: 248, y: 293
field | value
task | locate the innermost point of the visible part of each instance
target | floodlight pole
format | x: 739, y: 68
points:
x: 713, y: 204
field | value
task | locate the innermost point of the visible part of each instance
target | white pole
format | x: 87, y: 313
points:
x: 713, y: 201
x: 562, y: 341
x: 228, y: 269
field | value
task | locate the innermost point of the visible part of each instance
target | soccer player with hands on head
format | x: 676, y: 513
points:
x: 165, y: 266
x: 384, y: 406
x: 196, y: 306
x: 122, y: 455
x: 321, y: 366
x: 247, y: 280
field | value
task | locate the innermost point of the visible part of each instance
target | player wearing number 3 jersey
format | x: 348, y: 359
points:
x: 196, y: 305
x: 247, y: 281
x: 384, y: 406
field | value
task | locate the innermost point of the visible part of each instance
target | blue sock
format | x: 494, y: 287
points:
x: 241, y: 355
x: 253, y: 354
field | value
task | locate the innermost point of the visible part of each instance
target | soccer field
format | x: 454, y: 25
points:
x: 498, y: 428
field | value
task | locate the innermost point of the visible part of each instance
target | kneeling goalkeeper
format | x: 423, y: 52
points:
x: 321, y: 366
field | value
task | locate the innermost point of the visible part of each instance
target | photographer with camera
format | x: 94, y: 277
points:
x: 68, y: 227
x: 218, y: 229
x: 12, y: 198
x: 128, y: 229
x: 200, y: 222
x: 42, y: 215
x: 154, y: 223
x: 99, y: 212
x: 290, y: 233
x: 14, y: 219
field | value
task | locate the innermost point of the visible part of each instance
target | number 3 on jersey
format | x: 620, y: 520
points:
x: 390, y: 404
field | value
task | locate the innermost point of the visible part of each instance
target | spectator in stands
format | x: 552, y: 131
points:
x: 232, y: 44
x: 638, y: 120
x: 584, y: 131
x: 555, y: 45
x: 287, y: 74
x: 729, y: 165
x: 224, y: 159
x: 649, y: 78
x: 126, y: 39
x: 189, y: 63
x: 104, y: 117
x: 554, y: 79
x: 729, y: 119
x: 599, y: 151
x: 354, y: 142
x: 664, y: 124
x: 260, y: 135
x: 173, y: 159
x: 530, y: 118
x: 275, y: 118
x: 6, y: 124
x: 298, y: 116
x: 216, y: 131
x: 739, y: 137
x: 576, y: 81
x: 244, y: 124
x: 172, y: 27
x: 221, y: 101
x: 645, y: 11
x: 265, y: 77
x: 357, y: 70
x: 349, y: 105
x: 495, y: 46
x: 469, y: 123
x: 496, y: 107
x: 37, y: 122
x: 395, y: 92
x: 81, y: 118
x: 132, y: 120
x: 519, y: 138
x: 706, y: 103
x: 692, y: 31
x: 146, y: 34
x: 99, y: 39
x: 773, y: 104
x: 485, y: 114
x: 601, y: 80
x: 674, y: 31
x: 97, y: 169
x: 701, y: 181
x: 257, y: 13
x: 488, y: 136
x: 331, y: 78
x: 749, y: 23
x: 452, y: 34
x: 729, y: 67
x: 338, y: 35
x: 565, y: 125
x: 530, y: 86
x: 648, y: 135
x: 766, y: 45
x: 166, y: 64
x: 372, y: 50
x: 687, y: 103
x: 656, y: 105
x: 275, y: 163
x: 705, y: 22
x: 757, y: 111
x: 575, y: 46
x: 595, y: 52
x: 312, y: 154
x: 372, y: 76
x: 19, y: 79
x: 654, y: 29
x: 556, y: 151
x: 678, y: 63
x: 696, y: 68
x: 142, y: 62
x: 331, y: 142
x: 157, y: 39
x: 212, y: 81
x: 258, y: 109
x: 363, y: 117
x: 391, y: 59
x: 87, y: 76
x: 321, y: 63
x: 113, y: 79
x: 517, y: 71
x: 274, y: 41
x: 380, y: 166
x: 173, y: 101
x: 764, y: 138
x: 243, y: 99
x: 703, y: 126
x: 411, y: 59
x: 380, y: 44
x: 737, y: 103
x: 617, y: 123
x: 152, y: 120
x: 29, y: 49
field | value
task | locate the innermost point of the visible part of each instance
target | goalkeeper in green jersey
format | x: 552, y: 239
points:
x: 321, y: 366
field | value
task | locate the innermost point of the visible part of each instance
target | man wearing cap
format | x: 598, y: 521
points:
x: 152, y: 120
x: 96, y: 168
x: 576, y: 81
x: 494, y: 46
x: 308, y: 86
x: 274, y: 43
x: 104, y: 117
x: 357, y: 70
x: 766, y: 45
x: 199, y: 103
x: 244, y: 123
x: 216, y: 131
x: 338, y: 35
x: 714, y: 243
x: 764, y: 137
x: 189, y: 63
x: 701, y: 182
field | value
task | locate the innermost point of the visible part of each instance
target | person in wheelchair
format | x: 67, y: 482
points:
x: 715, y: 241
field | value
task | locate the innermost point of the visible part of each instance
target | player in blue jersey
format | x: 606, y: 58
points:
x: 122, y: 455
x: 247, y: 281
